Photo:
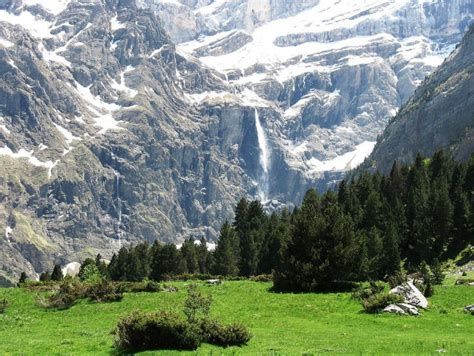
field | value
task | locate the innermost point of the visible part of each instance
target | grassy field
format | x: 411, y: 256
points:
x: 280, y: 323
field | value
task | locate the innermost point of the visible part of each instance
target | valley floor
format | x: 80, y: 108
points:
x: 279, y: 323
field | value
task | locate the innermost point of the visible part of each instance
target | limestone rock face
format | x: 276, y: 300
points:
x: 130, y: 120
x: 439, y: 116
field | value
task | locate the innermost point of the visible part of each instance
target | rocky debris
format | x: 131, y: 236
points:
x: 470, y: 309
x: 411, y: 294
x: 402, y: 309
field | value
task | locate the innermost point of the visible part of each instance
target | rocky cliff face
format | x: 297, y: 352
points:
x: 111, y: 134
x: 440, y: 115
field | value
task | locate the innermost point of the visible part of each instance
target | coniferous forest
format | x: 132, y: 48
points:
x: 367, y: 229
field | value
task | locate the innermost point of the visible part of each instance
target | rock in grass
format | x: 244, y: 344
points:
x: 409, y: 309
x: 470, y: 309
x: 402, y: 309
x: 394, y: 309
x: 411, y: 294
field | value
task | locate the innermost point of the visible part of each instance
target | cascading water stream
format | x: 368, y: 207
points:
x: 119, y: 204
x: 263, y: 183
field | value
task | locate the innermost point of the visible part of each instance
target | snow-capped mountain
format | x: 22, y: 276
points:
x: 131, y: 120
x: 334, y: 71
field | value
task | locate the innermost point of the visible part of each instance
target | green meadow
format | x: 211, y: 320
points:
x: 281, y: 324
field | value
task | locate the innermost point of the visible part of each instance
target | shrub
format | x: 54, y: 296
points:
x: 213, y: 332
x: 138, y: 287
x: 262, y: 278
x: 57, y: 274
x: 104, y: 291
x: 377, y: 302
x: 152, y: 331
x: 438, y: 273
x: 364, y: 292
x: 196, y: 304
x: 69, y: 292
x: 397, y: 279
x: 89, y: 272
x: 3, y: 306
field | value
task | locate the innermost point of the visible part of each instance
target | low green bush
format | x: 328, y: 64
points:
x: 215, y: 333
x: 166, y: 330
x: 66, y: 296
x: 377, y: 302
x: 262, y: 278
x: 103, y: 291
x: 138, y: 287
x: 154, y: 331
x: 364, y: 291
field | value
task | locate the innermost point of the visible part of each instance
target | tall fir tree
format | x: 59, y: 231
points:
x: 225, y: 261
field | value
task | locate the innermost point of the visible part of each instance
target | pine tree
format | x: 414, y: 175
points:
x: 295, y: 269
x: 441, y: 215
x: 251, y: 239
x: 167, y: 261
x: 225, y: 261
x: 391, y: 252
x: 374, y: 253
x: 57, y: 274
x: 188, y: 250
x: 202, y: 254
x: 420, y: 242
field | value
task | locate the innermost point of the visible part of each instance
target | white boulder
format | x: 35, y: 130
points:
x: 402, y: 309
x: 394, y: 309
x: 72, y: 269
x: 411, y: 294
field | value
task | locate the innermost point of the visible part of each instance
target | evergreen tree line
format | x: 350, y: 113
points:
x: 362, y: 230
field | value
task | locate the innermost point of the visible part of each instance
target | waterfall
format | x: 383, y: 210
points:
x: 119, y: 208
x: 263, y: 182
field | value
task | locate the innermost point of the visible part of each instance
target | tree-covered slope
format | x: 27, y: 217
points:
x: 440, y: 115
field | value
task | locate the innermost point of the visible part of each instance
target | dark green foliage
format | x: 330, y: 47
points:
x: 375, y: 303
x: 437, y: 271
x: 214, y: 332
x: 3, y: 306
x: 23, y: 279
x: 57, y: 274
x: 190, y: 256
x: 364, y: 292
x: 225, y: 258
x: 67, y: 295
x: 166, y: 260
x: 397, y: 279
x: 155, y: 331
x: 45, y: 277
x: 104, y: 291
x: 137, y: 287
